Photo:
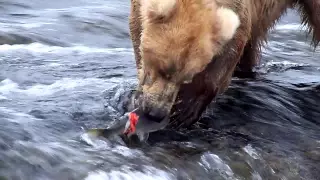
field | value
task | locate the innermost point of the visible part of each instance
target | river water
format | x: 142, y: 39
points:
x: 64, y: 66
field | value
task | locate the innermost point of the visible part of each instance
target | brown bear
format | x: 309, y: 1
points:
x: 187, y: 51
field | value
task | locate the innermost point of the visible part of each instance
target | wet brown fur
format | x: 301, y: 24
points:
x: 257, y: 17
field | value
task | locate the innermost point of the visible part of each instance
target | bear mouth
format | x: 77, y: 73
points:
x: 185, y: 111
x: 189, y: 107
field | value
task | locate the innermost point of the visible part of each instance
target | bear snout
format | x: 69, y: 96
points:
x: 154, y: 107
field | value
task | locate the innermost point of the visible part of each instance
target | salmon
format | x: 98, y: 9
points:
x: 133, y: 123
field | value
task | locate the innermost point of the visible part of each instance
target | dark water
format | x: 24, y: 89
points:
x: 64, y: 65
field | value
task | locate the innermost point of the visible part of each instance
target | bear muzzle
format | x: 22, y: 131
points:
x: 156, y: 103
x: 155, y: 107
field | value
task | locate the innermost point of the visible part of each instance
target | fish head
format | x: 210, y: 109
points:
x: 140, y: 125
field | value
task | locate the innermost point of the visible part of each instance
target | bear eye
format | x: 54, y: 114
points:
x: 169, y: 71
x: 187, y: 81
x: 164, y: 75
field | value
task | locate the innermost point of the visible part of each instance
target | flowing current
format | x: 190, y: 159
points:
x: 65, y: 65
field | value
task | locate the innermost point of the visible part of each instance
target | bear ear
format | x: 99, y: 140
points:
x: 157, y: 9
x: 229, y: 23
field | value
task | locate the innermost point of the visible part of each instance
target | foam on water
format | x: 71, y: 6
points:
x: 285, y: 63
x: 12, y: 27
x: 17, y: 117
x: 104, y: 145
x: 292, y: 26
x: 8, y: 87
x: 55, y: 64
x: 212, y: 162
x: 98, y: 144
x: 53, y: 11
x: 34, y: 25
x: 2, y: 97
x: 252, y: 152
x: 41, y: 48
x: 150, y: 173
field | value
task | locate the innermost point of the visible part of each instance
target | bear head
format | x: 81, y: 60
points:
x: 179, y: 38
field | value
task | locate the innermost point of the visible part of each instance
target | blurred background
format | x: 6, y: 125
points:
x: 65, y: 66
